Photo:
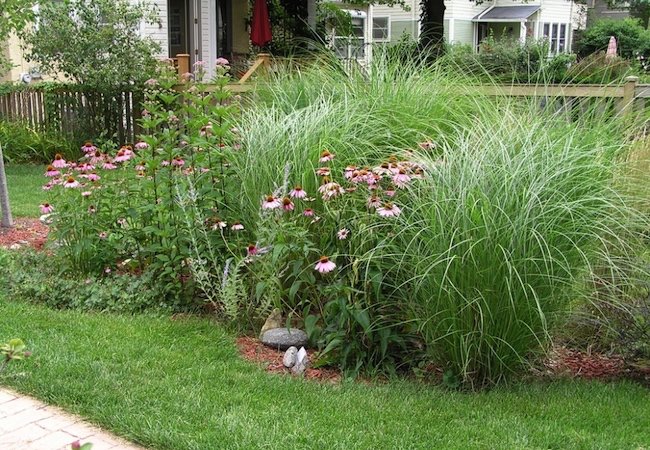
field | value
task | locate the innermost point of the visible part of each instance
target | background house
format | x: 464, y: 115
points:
x: 469, y: 23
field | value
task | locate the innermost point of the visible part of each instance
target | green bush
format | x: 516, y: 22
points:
x: 632, y: 39
x: 597, y: 68
x: 22, y: 144
x: 32, y: 276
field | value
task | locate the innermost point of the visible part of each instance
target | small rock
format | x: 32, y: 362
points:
x: 283, y: 338
x: 273, y: 321
x: 290, y: 356
x: 302, y: 362
x: 14, y: 247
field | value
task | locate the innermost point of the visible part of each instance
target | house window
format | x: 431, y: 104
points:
x: 556, y: 34
x: 352, y: 46
x: 380, y: 29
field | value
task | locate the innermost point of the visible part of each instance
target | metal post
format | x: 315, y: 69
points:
x: 7, y: 221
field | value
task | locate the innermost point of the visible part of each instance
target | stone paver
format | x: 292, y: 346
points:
x: 27, y: 424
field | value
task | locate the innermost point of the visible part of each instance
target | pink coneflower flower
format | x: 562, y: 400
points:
x: 331, y: 190
x: 46, y: 208
x: 151, y: 82
x: 165, y: 163
x: 93, y: 176
x: 323, y: 171
x: 360, y: 176
x: 383, y: 169
x: 92, y: 209
x: 103, y: 235
x: 326, y: 156
x: 373, y: 202
x: 178, y: 162
x: 50, y: 171
x: 389, y: 210
x: 287, y: 204
x: 222, y: 62
x: 97, y: 158
x: 141, y: 145
x: 271, y: 202
x: 88, y: 147
x: 121, y: 221
x: 324, y: 265
x: 390, y: 191
x: 85, y: 167
x: 86, y: 194
x: 47, y: 186
x: 298, y: 192
x: 237, y: 226
x: 59, y: 162
x: 108, y: 165
x: 122, y: 156
x: 401, y: 179
x: 349, y: 171
x: 308, y: 212
x: 206, y: 130
x: 342, y: 233
x: 218, y: 224
x: 140, y: 167
x: 252, y: 250
x: 71, y: 183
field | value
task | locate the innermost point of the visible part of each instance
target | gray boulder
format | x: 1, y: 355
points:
x: 283, y: 338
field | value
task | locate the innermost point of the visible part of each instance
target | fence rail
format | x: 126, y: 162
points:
x: 86, y: 113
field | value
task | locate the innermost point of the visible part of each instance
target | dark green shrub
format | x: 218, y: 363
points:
x: 597, y: 68
x: 22, y: 144
x: 632, y: 39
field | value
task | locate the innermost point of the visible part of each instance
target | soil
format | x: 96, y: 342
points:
x: 25, y: 233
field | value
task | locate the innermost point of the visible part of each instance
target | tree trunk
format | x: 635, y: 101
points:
x: 433, y: 26
x: 7, y: 221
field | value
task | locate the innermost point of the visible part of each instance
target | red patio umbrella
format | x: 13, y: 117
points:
x: 261, y: 25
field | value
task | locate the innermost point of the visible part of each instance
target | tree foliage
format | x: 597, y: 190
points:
x: 94, y: 42
x: 14, y: 15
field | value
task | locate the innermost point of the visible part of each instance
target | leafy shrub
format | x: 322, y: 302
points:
x: 509, y: 61
x: 631, y: 38
x: 21, y: 144
x: 32, y: 276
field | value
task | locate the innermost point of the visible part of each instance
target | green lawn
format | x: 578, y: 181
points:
x: 25, y: 192
x: 179, y: 384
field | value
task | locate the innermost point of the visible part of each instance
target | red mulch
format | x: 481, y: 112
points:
x: 25, y: 232
x: 253, y: 350
x: 591, y: 365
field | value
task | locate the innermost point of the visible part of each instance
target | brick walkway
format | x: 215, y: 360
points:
x: 27, y: 424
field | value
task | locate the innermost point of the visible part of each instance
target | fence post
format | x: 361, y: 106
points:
x: 628, y: 95
x: 183, y: 63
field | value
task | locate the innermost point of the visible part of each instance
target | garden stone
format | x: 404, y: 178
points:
x: 302, y: 362
x: 289, y: 359
x: 273, y: 321
x: 283, y: 338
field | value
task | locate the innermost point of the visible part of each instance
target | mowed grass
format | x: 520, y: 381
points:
x: 25, y: 189
x: 179, y: 384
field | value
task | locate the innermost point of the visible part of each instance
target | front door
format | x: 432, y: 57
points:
x: 482, y: 33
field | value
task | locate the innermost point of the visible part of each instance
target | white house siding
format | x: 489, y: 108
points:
x: 463, y: 32
x: 158, y: 31
x: 401, y: 21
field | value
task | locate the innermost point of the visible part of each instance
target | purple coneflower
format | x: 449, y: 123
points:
x: 71, y: 183
x: 59, y: 162
x: 326, y: 156
x: 342, y: 233
x: 122, y: 156
x: 141, y: 145
x: 86, y: 194
x: 324, y: 265
x: 373, y: 202
x: 323, y: 171
x: 88, y: 147
x: 51, y: 171
x: 349, y: 171
x: 401, y: 179
x: 103, y: 235
x: 271, y: 202
x: 178, y: 162
x: 108, y: 165
x: 164, y: 163
x: 46, y: 208
x: 389, y: 210
x: 308, y: 212
x: 287, y: 204
x: 237, y: 226
x: 298, y: 192
x: 331, y: 190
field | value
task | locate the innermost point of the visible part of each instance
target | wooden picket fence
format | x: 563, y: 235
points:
x: 75, y: 113
x: 86, y: 114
